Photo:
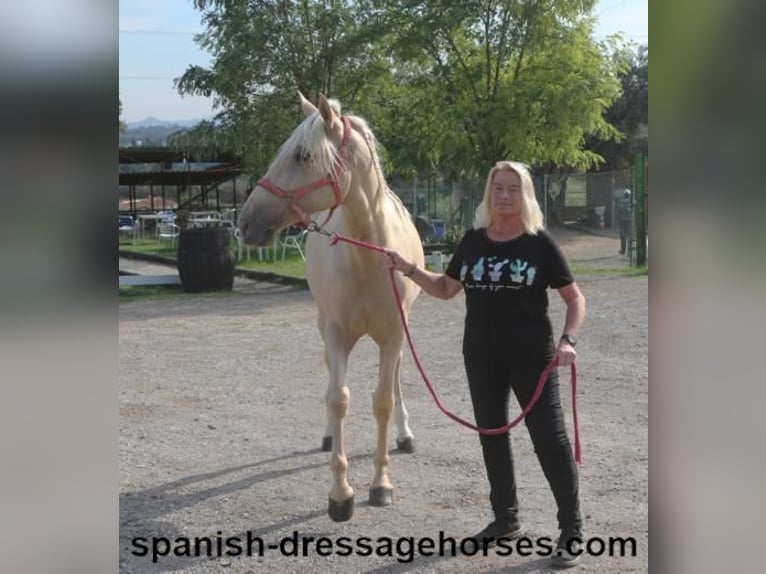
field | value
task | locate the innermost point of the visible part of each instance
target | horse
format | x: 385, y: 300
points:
x: 329, y: 168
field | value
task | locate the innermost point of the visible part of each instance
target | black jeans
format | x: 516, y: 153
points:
x: 491, y: 376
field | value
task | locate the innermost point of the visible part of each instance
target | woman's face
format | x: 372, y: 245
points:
x: 505, y: 193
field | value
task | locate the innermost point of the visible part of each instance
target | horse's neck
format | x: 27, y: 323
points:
x: 364, y: 207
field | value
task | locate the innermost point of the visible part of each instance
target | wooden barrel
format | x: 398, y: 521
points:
x: 204, y: 260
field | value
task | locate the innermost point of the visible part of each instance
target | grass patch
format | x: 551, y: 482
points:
x: 294, y: 266
x: 135, y: 292
x: 581, y: 270
x: 151, y: 246
x: 291, y: 266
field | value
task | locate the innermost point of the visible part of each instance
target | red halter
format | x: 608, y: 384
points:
x: 292, y: 197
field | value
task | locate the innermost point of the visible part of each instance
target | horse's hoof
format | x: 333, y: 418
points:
x: 341, y: 511
x: 327, y: 444
x: 381, y: 496
x: 405, y: 444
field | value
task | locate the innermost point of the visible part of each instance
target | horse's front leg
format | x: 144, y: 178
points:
x: 405, y: 440
x: 338, y: 346
x: 381, y: 491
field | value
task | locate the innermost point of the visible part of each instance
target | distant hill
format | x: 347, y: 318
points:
x: 152, y: 122
x: 153, y: 131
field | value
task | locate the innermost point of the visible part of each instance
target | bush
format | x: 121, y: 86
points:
x: 451, y: 238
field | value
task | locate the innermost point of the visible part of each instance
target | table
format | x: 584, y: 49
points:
x: 204, y: 215
x: 203, y: 222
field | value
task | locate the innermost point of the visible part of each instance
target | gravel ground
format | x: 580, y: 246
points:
x: 222, y: 415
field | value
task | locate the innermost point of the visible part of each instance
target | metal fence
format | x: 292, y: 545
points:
x: 588, y: 198
x: 444, y: 207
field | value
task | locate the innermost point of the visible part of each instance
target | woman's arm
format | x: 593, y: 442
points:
x: 435, y: 284
x: 575, y: 317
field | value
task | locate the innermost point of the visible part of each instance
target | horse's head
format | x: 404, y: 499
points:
x: 308, y: 175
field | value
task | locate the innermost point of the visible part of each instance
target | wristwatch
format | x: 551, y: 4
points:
x: 571, y: 339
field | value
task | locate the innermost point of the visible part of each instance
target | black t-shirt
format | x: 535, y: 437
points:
x: 505, y: 285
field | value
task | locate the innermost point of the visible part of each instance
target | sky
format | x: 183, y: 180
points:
x: 156, y: 42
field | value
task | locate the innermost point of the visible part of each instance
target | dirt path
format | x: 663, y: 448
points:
x: 221, y: 404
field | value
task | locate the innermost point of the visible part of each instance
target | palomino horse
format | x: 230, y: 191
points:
x: 330, y: 162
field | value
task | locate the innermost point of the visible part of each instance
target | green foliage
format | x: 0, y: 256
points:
x: 265, y: 52
x: 122, y: 124
x: 630, y: 112
x: 450, y: 87
x: 517, y: 79
x: 451, y: 238
x: 204, y: 140
x: 150, y: 136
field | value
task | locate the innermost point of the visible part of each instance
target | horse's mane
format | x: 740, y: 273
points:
x: 363, y: 127
x: 309, y: 141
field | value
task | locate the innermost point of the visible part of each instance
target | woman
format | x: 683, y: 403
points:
x: 504, y: 265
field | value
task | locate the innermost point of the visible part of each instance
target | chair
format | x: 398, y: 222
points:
x: 230, y: 226
x: 242, y: 246
x: 293, y: 239
x: 229, y: 215
x: 168, y: 231
x: 167, y: 216
x: 127, y: 226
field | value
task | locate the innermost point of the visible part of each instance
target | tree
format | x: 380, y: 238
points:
x: 517, y: 79
x: 629, y: 113
x: 264, y: 51
x: 450, y: 86
x: 123, y: 126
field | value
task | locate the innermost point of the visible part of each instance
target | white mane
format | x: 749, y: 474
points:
x: 310, y: 142
x: 363, y: 128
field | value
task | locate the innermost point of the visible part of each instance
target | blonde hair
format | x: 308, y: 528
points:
x: 531, y: 214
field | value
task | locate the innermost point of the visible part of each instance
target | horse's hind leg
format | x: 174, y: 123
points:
x: 338, y: 346
x: 381, y: 491
x: 404, y: 437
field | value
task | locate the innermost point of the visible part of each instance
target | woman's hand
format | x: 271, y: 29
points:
x: 397, y: 262
x: 565, y: 353
x: 575, y: 316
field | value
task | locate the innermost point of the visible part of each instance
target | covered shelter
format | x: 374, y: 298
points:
x: 166, y: 171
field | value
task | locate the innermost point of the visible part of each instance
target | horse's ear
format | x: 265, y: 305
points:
x: 307, y: 107
x: 325, y: 109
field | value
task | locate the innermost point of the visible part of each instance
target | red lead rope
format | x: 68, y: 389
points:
x: 335, y: 237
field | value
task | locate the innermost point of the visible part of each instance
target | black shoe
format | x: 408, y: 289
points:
x: 569, y: 549
x: 498, y: 529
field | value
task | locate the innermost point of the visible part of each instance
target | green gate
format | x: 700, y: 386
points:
x: 638, y: 178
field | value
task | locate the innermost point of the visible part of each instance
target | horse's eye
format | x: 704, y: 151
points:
x: 302, y: 156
